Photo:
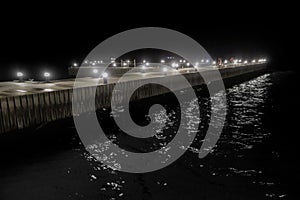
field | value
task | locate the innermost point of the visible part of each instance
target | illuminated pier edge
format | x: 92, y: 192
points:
x: 28, y: 104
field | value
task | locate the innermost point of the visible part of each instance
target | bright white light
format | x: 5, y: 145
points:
x: 93, y: 64
x: 253, y: 61
x: 174, y: 65
x: 180, y: 61
x: 162, y: 61
x: 95, y: 71
x: 202, y: 61
x: 101, y: 61
x: 86, y: 62
x: 187, y: 64
x: 114, y: 64
x: 245, y: 61
x: 124, y: 64
x: 207, y: 61
x: 165, y: 69
x: 147, y: 64
x: 144, y: 61
x: 128, y: 61
x: 235, y: 61
x: 22, y: 91
x: 47, y: 74
x: 184, y: 61
x: 48, y: 90
x: 19, y: 74
x: 105, y: 75
x: 225, y: 61
x: 75, y: 64
x: 240, y: 60
x: 214, y: 62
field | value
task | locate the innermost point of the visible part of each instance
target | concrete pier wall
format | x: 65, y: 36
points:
x: 18, y: 112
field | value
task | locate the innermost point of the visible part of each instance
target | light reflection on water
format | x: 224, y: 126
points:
x: 242, y: 132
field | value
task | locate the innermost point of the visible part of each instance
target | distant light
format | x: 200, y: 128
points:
x: 115, y: 64
x: 214, y: 62
x: 253, y: 61
x: 184, y: 61
x: 235, y: 61
x: 207, y: 61
x: 93, y: 64
x: 245, y: 61
x: 202, y: 61
x: 75, y: 64
x: 240, y: 60
x: 187, y: 64
x: 128, y: 61
x: 86, y: 62
x: 180, y: 61
x: 95, y: 71
x: 124, y: 64
x: 48, y: 90
x: 101, y: 61
x: 225, y: 61
x: 22, y: 91
x: 147, y: 64
x: 144, y: 61
x: 47, y: 74
x: 162, y: 61
x: 105, y: 75
x: 174, y: 64
x: 19, y: 74
x: 165, y: 69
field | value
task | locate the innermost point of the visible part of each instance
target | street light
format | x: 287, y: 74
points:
x: 202, y: 61
x: 20, y: 76
x: 245, y: 62
x: 188, y: 64
x: 75, y: 64
x: 253, y: 61
x: 207, y: 61
x: 147, y: 64
x: 143, y: 68
x: 95, y: 71
x: 162, y: 61
x: 47, y: 76
x: 114, y: 64
x: 105, y: 76
x: 225, y: 61
x: 214, y: 62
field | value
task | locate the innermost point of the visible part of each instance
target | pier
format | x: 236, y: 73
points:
x: 29, y: 103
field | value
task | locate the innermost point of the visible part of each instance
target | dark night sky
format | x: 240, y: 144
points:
x: 52, y: 37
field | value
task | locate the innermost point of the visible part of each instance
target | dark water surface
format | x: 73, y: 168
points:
x: 255, y: 157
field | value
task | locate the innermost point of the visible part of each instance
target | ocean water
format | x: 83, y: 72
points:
x: 255, y: 157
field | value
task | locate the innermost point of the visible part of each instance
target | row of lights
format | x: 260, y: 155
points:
x: 203, y: 61
x: 20, y: 75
